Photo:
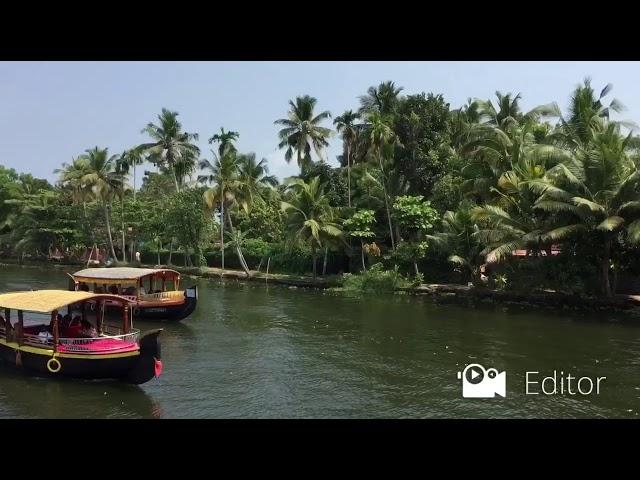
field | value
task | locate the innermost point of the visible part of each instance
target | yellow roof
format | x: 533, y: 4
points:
x: 117, y: 273
x: 45, y: 301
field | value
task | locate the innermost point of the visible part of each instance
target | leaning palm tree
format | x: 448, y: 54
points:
x: 103, y: 182
x: 598, y: 189
x: 310, y: 218
x: 170, y: 145
x: 302, y: 131
x: 382, y: 99
x: 346, y: 125
x: 382, y: 139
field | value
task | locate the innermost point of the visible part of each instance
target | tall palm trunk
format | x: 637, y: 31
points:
x: 222, y: 228
x: 324, y: 263
x: 313, y: 256
x: 349, y: 173
x: 241, y: 259
x: 364, y: 266
x: 106, y: 218
x: 124, y: 245
x: 170, y: 251
x: 134, y: 182
x: 606, y: 285
x: 172, y: 166
x: 386, y: 203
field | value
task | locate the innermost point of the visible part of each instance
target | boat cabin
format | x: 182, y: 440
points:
x: 66, y: 321
x: 65, y: 333
x: 136, y: 284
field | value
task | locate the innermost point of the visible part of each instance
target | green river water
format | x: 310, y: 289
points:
x: 251, y: 351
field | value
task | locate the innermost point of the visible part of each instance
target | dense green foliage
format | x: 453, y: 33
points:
x: 485, y: 193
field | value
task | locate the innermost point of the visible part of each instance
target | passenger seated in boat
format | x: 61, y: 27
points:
x: 98, y: 290
x: 113, y: 290
x: 83, y: 287
x: 74, y: 327
x: 87, y: 330
x: 130, y: 291
x: 2, y: 323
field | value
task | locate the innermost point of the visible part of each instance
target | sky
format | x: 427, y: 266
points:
x: 50, y: 112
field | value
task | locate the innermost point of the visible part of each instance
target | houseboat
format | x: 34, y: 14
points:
x: 154, y: 293
x: 37, y: 338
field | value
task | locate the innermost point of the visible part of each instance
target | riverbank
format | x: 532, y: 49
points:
x: 445, y: 293
x: 440, y: 292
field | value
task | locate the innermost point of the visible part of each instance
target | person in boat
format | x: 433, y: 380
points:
x: 74, y: 328
x: 113, y: 290
x: 130, y: 291
x: 2, y: 323
x: 99, y: 290
x: 83, y: 287
x: 87, y: 330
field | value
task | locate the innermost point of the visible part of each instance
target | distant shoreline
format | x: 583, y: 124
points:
x: 440, y: 293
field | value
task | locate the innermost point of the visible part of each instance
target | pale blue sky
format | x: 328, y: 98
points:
x: 53, y: 111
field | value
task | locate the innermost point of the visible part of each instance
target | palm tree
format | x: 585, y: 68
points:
x: 382, y: 99
x: 223, y: 176
x: 170, y: 144
x: 133, y: 157
x: 225, y: 139
x: 512, y: 222
x: 186, y: 166
x: 584, y: 113
x: 382, y: 139
x: 302, y: 131
x: 71, y: 177
x: 254, y: 179
x: 459, y: 237
x: 491, y: 150
x: 121, y: 170
x: 310, y: 218
x: 92, y: 176
x: 345, y: 123
x: 598, y: 189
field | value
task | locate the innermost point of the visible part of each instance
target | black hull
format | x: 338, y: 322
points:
x: 132, y: 367
x: 173, y: 313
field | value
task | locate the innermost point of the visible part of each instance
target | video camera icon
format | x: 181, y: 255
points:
x: 478, y: 382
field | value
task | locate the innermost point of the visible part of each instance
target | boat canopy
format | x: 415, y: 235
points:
x: 46, y: 301
x: 119, y: 275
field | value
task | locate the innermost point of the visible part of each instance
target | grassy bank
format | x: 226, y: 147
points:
x: 391, y: 282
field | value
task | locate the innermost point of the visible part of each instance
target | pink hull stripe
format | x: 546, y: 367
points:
x: 100, y: 347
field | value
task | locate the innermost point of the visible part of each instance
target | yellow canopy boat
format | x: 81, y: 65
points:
x: 36, y: 337
x: 154, y: 292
